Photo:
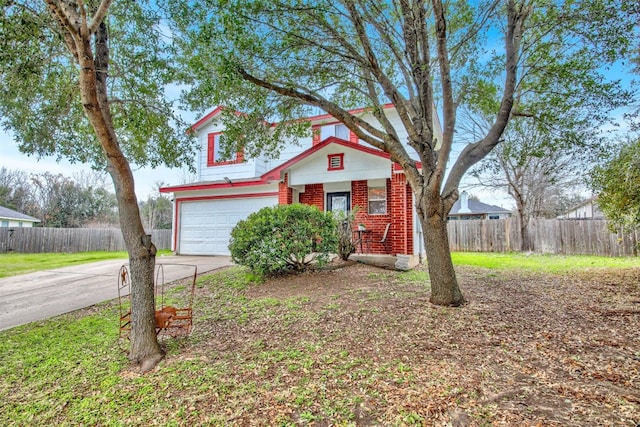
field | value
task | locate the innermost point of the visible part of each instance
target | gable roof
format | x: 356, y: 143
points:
x: 325, y: 116
x: 6, y: 213
x: 477, y: 207
x: 275, y: 173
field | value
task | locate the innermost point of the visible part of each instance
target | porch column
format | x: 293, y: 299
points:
x: 285, y: 193
x: 401, y: 217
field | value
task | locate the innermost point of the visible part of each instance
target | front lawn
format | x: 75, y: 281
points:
x: 356, y: 345
x: 13, y: 264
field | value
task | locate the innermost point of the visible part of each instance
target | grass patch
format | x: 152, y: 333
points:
x: 541, y: 262
x: 14, y: 264
x: 273, y: 352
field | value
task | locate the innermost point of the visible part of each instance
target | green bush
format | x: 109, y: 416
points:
x: 278, y: 239
x: 346, y: 242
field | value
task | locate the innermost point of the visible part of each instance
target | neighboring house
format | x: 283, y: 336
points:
x: 11, y: 218
x: 332, y: 170
x: 473, y: 209
x: 588, y: 209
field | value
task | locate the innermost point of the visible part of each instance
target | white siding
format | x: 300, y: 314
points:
x: 357, y: 166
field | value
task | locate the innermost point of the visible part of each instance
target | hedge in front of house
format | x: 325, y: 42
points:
x: 284, y: 238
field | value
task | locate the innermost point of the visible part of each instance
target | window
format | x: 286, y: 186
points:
x: 214, y: 152
x: 377, y: 200
x: 336, y: 162
x: 494, y: 216
x: 5, y: 223
x: 337, y: 129
x: 339, y: 202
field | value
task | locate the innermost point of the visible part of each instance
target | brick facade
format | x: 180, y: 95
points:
x: 285, y: 193
x: 399, y: 207
x: 313, y: 195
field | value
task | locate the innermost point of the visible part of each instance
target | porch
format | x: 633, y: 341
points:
x: 382, y: 209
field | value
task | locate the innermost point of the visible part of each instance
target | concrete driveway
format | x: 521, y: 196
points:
x: 37, y: 296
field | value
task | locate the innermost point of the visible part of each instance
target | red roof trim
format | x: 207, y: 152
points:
x: 275, y: 173
x: 325, y: 116
x: 206, y: 118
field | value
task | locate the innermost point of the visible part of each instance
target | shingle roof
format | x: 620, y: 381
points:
x: 6, y: 213
x: 478, y: 208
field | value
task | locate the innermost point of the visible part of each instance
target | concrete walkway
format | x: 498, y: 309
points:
x: 44, y: 294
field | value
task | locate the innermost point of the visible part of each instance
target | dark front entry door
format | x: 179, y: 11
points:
x: 339, y: 202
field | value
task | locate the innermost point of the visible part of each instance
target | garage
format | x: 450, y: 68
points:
x: 205, y: 225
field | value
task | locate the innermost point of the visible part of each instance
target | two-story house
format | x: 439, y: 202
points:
x: 332, y: 169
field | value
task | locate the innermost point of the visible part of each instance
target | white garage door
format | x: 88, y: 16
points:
x: 205, y: 226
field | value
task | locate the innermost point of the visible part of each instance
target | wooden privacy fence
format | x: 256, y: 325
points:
x: 568, y: 237
x: 43, y: 239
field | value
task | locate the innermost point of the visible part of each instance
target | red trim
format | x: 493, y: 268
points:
x: 205, y: 119
x: 212, y: 186
x: 398, y: 168
x: 211, y: 143
x: 340, y: 165
x: 315, y: 131
x: 195, y: 199
x: 275, y: 173
x: 211, y: 161
x: 325, y: 116
x: 353, y: 138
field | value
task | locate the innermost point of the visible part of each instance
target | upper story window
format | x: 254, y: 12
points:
x: 214, y: 151
x: 378, y: 200
x: 337, y: 129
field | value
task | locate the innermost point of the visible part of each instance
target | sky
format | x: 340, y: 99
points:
x: 145, y: 178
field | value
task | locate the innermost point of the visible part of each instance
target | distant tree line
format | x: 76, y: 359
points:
x: 82, y: 201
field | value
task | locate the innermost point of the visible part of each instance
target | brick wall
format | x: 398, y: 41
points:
x: 402, y: 223
x: 285, y: 194
x: 399, y: 202
x: 313, y: 195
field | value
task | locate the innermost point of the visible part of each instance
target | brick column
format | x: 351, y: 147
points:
x: 285, y: 193
x: 399, y: 204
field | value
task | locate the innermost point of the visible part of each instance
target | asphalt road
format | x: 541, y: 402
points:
x: 44, y: 294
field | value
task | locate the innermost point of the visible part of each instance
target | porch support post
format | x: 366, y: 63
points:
x: 401, y: 223
x: 285, y: 193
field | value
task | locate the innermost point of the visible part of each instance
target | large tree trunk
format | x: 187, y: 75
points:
x: 525, y: 239
x: 432, y: 212
x: 444, y: 284
x: 145, y: 350
x: 93, y: 73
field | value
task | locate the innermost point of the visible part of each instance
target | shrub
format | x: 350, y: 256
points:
x: 283, y: 238
x: 346, y: 242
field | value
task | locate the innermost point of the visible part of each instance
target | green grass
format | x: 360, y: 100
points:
x: 72, y: 370
x: 541, y: 263
x: 14, y: 264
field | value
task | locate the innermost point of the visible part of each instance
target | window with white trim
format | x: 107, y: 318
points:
x: 336, y: 129
x: 377, y: 200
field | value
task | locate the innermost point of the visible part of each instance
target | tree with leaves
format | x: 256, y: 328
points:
x: 273, y: 60
x: 16, y: 191
x: 157, y: 210
x: 85, y: 80
x: 617, y: 184
x: 536, y: 169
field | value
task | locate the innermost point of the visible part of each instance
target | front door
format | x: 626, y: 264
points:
x: 339, y: 202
